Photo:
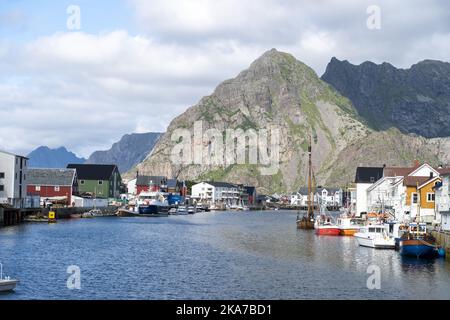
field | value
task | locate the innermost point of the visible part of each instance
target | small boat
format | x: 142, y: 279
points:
x: 181, y: 210
x: 87, y: 215
x: 375, y: 236
x: 191, y: 210
x: 417, y: 243
x: 347, y: 226
x: 6, y: 284
x: 324, y: 226
x: 173, y: 211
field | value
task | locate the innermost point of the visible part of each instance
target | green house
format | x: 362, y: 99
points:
x: 99, y: 180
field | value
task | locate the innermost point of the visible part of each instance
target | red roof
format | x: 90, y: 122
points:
x: 415, y: 181
x: 398, y: 171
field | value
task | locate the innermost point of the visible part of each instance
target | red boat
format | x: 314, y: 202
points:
x: 324, y: 227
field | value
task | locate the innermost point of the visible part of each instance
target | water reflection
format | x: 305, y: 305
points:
x: 249, y: 255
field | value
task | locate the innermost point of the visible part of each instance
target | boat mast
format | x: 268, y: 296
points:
x: 310, y: 206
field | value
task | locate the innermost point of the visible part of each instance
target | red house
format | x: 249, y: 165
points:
x: 150, y: 184
x: 52, y: 184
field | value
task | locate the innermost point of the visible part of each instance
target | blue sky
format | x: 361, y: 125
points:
x: 32, y: 19
x: 136, y: 64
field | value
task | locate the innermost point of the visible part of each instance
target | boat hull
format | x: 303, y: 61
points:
x: 305, y: 224
x: 8, y: 285
x: 154, y: 210
x: 327, y: 231
x: 348, y: 232
x: 375, y: 243
x: 417, y: 249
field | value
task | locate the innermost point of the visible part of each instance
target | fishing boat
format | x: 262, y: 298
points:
x: 324, y: 224
x: 417, y: 243
x: 347, y: 226
x: 307, y: 221
x: 6, y: 283
x: 375, y: 236
x: 181, y: 210
x: 191, y: 210
x: 152, y: 204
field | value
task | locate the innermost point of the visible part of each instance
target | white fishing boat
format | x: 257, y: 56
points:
x: 375, y: 236
x: 182, y: 210
x: 6, y: 284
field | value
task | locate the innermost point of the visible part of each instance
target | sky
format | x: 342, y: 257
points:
x: 81, y: 74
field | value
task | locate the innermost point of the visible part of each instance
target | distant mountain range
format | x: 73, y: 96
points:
x: 414, y: 100
x: 127, y: 153
x: 44, y: 157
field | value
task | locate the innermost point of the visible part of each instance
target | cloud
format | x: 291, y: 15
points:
x: 85, y: 90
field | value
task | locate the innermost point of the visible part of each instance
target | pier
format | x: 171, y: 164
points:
x: 443, y: 240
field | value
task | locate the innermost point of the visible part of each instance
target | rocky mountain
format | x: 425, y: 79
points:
x: 128, y: 152
x: 278, y: 91
x: 415, y: 100
x: 44, y: 157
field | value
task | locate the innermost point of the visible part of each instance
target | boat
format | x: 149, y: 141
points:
x: 324, y: 224
x: 191, y: 210
x: 87, y: 215
x: 173, y: 211
x: 347, y: 226
x: 375, y: 236
x: 181, y: 210
x: 417, y: 243
x: 307, y: 221
x: 6, y: 283
x: 152, y: 204
x: 324, y: 227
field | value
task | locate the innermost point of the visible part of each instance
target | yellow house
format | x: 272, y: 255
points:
x: 420, y: 194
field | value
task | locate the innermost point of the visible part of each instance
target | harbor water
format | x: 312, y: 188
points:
x: 222, y: 255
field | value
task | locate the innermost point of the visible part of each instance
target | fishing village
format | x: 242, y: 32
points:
x: 398, y: 208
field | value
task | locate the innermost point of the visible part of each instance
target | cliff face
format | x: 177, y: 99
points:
x: 128, y: 152
x: 415, y: 100
x: 278, y: 91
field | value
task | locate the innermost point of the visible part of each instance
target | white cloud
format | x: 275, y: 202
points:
x: 85, y: 91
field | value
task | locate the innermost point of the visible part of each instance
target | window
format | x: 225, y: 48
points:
x: 430, y: 197
x: 100, y: 182
x: 415, y: 197
x: 81, y: 181
x: 38, y: 188
x: 57, y: 188
x: 2, y: 188
x: 2, y: 175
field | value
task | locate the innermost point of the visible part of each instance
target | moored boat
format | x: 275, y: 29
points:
x: 324, y: 224
x: 6, y: 284
x: 347, y: 226
x: 375, y: 236
x: 417, y: 243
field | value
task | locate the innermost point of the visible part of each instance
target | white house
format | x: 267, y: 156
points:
x: 326, y: 196
x: 131, y: 186
x: 215, y: 192
x: 364, y: 179
x: 13, y: 186
x: 442, y: 191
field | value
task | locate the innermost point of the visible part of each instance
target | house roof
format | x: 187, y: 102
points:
x: 12, y: 154
x: 51, y: 177
x: 93, y: 171
x: 412, y: 181
x: 398, y: 171
x: 365, y: 174
x: 250, y: 189
x: 153, y: 180
x: 221, y: 184
x: 444, y: 171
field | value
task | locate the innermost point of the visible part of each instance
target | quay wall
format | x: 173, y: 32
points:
x: 443, y: 240
x: 64, y: 213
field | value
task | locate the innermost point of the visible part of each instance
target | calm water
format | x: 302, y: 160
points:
x: 250, y: 255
